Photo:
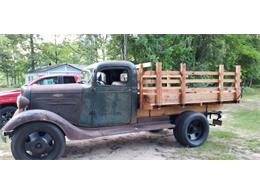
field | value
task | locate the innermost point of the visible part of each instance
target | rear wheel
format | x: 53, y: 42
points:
x: 6, y: 114
x: 37, y: 141
x: 192, y: 129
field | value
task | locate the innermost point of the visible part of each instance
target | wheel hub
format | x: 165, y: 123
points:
x: 38, y: 145
x: 195, y: 130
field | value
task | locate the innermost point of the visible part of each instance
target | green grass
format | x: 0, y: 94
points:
x: 246, y: 118
x: 210, y: 145
x: 251, y: 93
x: 228, y: 135
x: 253, y: 144
x: 223, y: 157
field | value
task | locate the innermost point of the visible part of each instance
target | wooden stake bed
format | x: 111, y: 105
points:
x: 169, y: 92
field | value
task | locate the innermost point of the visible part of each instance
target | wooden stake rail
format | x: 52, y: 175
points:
x: 164, y: 88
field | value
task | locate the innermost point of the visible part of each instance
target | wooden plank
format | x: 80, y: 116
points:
x: 149, y: 76
x: 141, y: 70
x: 229, y: 80
x: 177, y: 109
x: 159, y: 83
x: 150, y: 72
x: 171, y: 89
x: 149, y: 99
x: 171, y: 82
x: 171, y: 73
x: 202, y: 90
x: 202, y: 80
x: 220, y: 84
x: 168, y: 84
x: 144, y: 65
x: 183, y: 82
x: 229, y: 73
x: 170, y: 98
x: 198, y: 98
x: 150, y: 81
x: 229, y: 96
x: 201, y: 73
x: 237, y: 82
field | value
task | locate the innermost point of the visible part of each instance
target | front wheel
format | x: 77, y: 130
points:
x: 192, y: 129
x: 37, y: 141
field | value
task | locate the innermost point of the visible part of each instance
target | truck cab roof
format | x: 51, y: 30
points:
x: 118, y: 63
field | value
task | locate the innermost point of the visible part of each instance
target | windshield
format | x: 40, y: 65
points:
x: 87, y: 75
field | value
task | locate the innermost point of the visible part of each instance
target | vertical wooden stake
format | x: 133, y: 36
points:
x: 183, y: 83
x: 159, y: 83
x: 141, y: 85
x: 168, y: 80
x: 237, y: 82
x: 221, y: 82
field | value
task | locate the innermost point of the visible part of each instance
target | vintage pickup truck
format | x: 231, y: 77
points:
x: 119, y: 97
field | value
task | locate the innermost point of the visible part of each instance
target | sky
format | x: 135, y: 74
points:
x: 59, y: 37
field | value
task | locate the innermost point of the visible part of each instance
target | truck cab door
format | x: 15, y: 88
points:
x: 113, y: 97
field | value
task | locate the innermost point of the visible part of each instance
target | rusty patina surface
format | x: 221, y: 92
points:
x: 64, y: 100
x: 76, y: 133
x: 89, y: 104
x: 110, y: 105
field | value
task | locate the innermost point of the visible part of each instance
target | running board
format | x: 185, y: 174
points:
x: 89, y: 133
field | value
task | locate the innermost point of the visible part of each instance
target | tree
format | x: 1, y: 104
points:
x: 21, y: 53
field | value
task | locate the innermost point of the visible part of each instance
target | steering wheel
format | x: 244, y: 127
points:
x: 101, y: 83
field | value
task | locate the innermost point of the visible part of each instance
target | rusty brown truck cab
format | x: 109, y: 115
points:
x: 117, y: 97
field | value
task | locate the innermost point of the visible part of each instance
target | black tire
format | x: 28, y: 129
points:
x: 192, y: 129
x: 38, y: 141
x: 6, y: 114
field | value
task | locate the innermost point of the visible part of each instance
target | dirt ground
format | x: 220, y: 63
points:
x: 238, y: 138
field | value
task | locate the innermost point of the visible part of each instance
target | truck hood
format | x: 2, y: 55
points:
x: 62, y: 99
x: 9, y: 92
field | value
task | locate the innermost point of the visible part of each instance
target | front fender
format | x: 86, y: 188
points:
x: 41, y: 115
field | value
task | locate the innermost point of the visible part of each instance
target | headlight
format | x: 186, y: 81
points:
x: 22, y: 102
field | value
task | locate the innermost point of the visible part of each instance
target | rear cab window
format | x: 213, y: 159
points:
x: 69, y: 79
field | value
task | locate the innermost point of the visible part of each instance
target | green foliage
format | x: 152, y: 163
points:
x: 21, y: 53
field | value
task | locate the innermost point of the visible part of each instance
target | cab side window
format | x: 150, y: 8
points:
x: 48, y: 81
x: 115, y: 77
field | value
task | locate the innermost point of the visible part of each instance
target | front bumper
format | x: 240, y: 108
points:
x: 3, y: 137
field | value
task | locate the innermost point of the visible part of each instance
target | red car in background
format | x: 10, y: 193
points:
x: 8, y: 97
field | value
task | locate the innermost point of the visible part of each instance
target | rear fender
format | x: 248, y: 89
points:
x: 72, y: 132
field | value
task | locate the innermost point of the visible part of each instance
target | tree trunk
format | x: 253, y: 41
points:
x: 125, y: 57
x: 7, y: 79
x: 56, y: 52
x: 32, y: 52
x: 250, y: 82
